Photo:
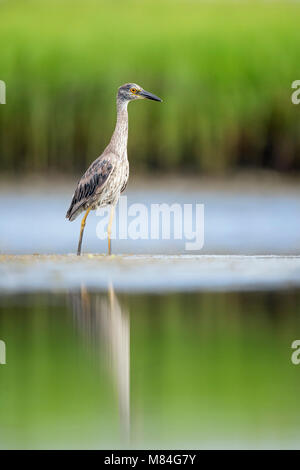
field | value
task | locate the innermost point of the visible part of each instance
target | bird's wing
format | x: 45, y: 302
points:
x: 91, y: 184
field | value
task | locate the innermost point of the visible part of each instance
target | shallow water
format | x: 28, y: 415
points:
x: 183, y: 351
x: 148, y: 273
x: 33, y: 221
x: 202, y: 370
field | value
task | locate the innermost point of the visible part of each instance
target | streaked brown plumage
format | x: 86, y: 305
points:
x: 107, y: 176
x: 89, y: 186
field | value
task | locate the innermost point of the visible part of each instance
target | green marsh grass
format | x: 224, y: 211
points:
x: 224, y: 70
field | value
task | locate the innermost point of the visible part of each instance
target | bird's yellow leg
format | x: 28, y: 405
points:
x: 111, y: 218
x: 81, y: 231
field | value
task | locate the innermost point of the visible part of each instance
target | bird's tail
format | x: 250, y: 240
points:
x: 74, y: 211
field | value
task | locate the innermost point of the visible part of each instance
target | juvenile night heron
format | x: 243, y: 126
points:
x: 105, y: 179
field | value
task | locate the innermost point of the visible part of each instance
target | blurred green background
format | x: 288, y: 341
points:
x: 223, y: 68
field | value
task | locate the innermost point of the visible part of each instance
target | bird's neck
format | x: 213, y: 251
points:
x: 120, y: 136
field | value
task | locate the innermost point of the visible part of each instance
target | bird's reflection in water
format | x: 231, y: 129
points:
x: 105, y: 325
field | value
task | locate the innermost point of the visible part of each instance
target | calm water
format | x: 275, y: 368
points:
x: 184, y: 370
x: 96, y: 370
x: 234, y: 223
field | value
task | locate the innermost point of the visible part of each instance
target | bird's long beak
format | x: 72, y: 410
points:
x: 149, y: 96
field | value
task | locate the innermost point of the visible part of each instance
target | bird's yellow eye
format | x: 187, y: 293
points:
x: 133, y: 90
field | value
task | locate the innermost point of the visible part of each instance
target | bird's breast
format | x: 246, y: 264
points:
x: 115, y: 185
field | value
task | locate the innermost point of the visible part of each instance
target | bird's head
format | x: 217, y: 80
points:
x: 132, y: 91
